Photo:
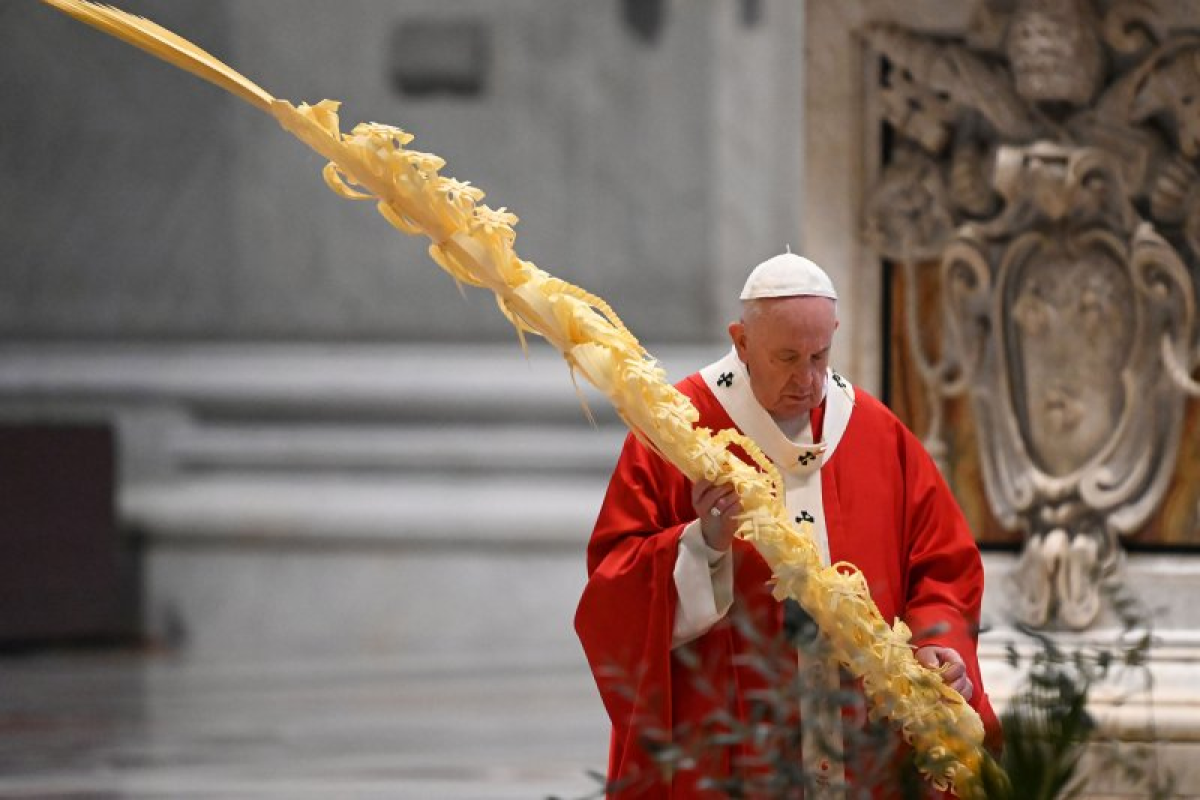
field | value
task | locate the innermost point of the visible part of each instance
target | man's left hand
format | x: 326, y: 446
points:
x: 949, y: 663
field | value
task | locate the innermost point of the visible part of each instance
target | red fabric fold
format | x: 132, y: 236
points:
x: 887, y: 511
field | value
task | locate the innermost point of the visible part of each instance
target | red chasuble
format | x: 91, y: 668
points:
x: 887, y: 511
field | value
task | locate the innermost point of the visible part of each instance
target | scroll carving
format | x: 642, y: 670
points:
x: 1046, y: 162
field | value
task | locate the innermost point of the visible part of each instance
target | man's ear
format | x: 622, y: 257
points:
x: 737, y: 333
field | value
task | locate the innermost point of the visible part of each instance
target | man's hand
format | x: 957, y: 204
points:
x: 949, y: 663
x: 718, y: 528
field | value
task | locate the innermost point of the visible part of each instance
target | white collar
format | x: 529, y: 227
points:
x: 729, y: 382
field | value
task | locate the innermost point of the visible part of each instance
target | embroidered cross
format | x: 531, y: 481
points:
x: 807, y: 457
x: 805, y: 517
x: 839, y: 380
x: 726, y: 379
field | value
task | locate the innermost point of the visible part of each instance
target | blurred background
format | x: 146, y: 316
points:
x: 285, y: 512
x: 256, y: 438
x: 310, y: 424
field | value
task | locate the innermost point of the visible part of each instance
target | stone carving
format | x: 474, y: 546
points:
x: 1063, y: 211
x: 1054, y: 52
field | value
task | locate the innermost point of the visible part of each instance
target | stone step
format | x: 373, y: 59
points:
x: 454, y: 449
x: 429, y: 383
x: 511, y: 511
x: 259, y: 567
x: 183, y: 409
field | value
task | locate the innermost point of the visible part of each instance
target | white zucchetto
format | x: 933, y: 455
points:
x: 788, y: 275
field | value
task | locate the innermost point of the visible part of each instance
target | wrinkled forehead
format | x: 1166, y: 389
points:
x: 803, y: 324
x: 790, y: 311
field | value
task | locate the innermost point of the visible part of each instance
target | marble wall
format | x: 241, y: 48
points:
x: 139, y: 203
x: 114, y: 213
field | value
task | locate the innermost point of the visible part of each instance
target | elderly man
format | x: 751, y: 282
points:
x: 676, y: 610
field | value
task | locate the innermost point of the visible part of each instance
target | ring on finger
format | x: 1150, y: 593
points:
x: 714, y: 512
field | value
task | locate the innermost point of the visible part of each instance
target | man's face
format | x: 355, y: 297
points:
x: 784, y: 343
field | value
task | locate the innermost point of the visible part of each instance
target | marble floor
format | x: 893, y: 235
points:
x: 121, y: 725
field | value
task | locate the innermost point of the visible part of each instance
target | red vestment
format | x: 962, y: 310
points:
x: 887, y: 511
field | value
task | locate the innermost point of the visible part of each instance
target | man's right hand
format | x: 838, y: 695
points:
x: 718, y: 529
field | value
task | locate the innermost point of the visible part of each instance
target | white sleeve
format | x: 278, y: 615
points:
x: 703, y: 585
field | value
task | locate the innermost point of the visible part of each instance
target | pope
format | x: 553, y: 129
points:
x: 677, y: 618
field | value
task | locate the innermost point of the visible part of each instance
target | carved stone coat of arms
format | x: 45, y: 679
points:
x: 1045, y: 162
